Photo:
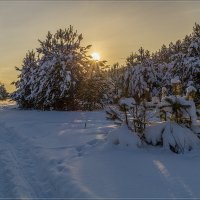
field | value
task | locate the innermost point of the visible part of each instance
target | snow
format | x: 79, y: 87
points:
x: 191, y: 89
x: 155, y: 100
x: 175, y: 80
x: 141, y: 78
x: 172, y: 135
x: 124, y: 137
x: 192, y: 112
x: 68, y: 155
x: 129, y: 102
x: 189, y: 112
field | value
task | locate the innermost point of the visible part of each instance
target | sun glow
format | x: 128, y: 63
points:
x: 95, y: 56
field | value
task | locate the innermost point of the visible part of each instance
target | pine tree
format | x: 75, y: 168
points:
x: 63, y: 59
x: 185, y: 62
x: 94, y: 86
x: 26, y: 81
x: 115, y: 82
x: 52, y: 80
x: 140, y: 77
x: 3, y: 92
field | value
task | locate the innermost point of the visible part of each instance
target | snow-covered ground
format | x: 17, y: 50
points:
x: 67, y: 155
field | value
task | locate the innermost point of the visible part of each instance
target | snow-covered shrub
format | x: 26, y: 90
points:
x: 124, y: 137
x: 179, y: 116
x: 181, y: 110
x: 171, y: 136
x: 174, y: 108
x: 129, y: 113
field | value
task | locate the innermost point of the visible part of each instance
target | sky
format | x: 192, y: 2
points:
x: 115, y: 29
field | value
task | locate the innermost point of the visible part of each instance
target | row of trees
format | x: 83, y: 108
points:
x: 155, y: 70
x: 61, y: 75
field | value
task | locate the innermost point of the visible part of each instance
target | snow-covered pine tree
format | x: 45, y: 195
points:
x: 3, y: 92
x: 140, y: 77
x: 185, y: 63
x: 27, y: 78
x: 186, y: 43
x: 94, y: 87
x: 115, y: 82
x: 137, y: 58
x: 52, y: 80
x: 61, y: 70
x: 193, y: 57
x: 162, y: 55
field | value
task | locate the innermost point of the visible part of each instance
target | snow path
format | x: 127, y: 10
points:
x: 12, y: 174
x: 53, y: 155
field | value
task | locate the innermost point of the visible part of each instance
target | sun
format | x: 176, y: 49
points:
x: 95, y: 56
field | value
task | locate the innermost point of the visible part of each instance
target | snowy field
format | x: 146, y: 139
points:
x: 67, y: 155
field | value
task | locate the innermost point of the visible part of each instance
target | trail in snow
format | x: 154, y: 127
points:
x: 24, y: 174
x: 32, y: 164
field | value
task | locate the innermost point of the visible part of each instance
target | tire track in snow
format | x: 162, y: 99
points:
x: 176, y: 185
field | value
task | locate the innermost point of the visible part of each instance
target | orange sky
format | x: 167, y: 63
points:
x: 114, y: 28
